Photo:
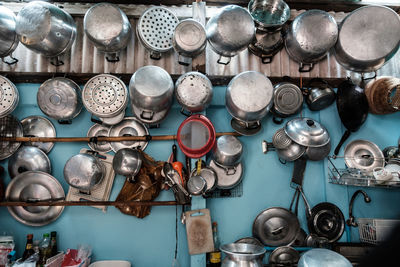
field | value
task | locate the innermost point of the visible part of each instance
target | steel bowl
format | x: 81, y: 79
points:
x: 127, y: 162
x: 28, y: 158
x: 269, y: 15
x: 227, y: 150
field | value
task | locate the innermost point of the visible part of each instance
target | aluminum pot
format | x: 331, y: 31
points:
x: 230, y: 31
x: 242, y: 254
x: 269, y: 15
x: 8, y: 36
x: 227, y: 150
x: 288, y: 101
x: 309, y: 38
x: 319, y: 94
x: 266, y: 45
x: 45, y: 28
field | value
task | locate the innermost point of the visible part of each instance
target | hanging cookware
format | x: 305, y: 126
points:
x: 28, y: 158
x: 365, y: 44
x: 196, y: 185
x: 249, y: 240
x: 45, y: 29
x: 189, y: 40
x: 38, y: 126
x: 383, y: 95
x: 230, y: 31
x: 8, y: 36
x: 155, y: 29
x: 151, y: 92
x: 292, y: 152
x: 248, y: 98
x: 280, y: 140
x: 309, y: 38
x: 227, y: 151
x: 318, y: 153
x: 35, y: 186
x: 60, y: 99
x: 352, y: 106
x: 129, y: 126
x: 284, y: 256
x: 288, y: 101
x: 363, y: 155
x: 317, y: 257
x: 269, y: 16
x: 193, y: 91
x: 266, y: 45
x: 241, y: 254
x: 9, y: 127
x: 99, y: 130
x: 108, y: 28
x: 209, y: 175
x: 307, y: 132
x: 9, y: 96
x: 300, y: 240
x: 319, y: 94
x: 228, y: 176
x: 127, y: 162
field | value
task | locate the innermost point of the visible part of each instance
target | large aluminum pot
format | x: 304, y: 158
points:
x: 227, y: 151
x: 45, y: 28
x: 8, y: 36
x: 242, y: 254
x: 230, y: 31
x: 310, y: 36
x: 365, y: 44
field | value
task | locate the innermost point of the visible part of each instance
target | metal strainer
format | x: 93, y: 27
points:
x: 9, y: 96
x: 280, y: 140
x: 9, y: 127
x: 155, y: 30
x: 105, y: 96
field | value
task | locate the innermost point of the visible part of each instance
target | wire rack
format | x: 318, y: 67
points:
x: 237, y: 191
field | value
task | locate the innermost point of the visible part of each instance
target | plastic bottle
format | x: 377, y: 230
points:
x: 44, y: 250
x: 29, y: 247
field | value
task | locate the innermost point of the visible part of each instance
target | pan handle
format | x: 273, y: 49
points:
x: 341, y: 142
x: 298, y: 171
x: 308, y: 209
x: 306, y: 67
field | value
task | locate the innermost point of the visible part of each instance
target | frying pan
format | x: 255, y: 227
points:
x: 352, y: 106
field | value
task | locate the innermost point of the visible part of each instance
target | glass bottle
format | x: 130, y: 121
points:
x: 44, y: 250
x: 53, y: 243
x: 29, y: 247
x: 215, y: 256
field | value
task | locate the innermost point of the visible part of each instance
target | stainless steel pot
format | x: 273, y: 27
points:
x: 319, y: 94
x: 28, y: 158
x: 45, y: 28
x: 227, y: 150
x: 189, y: 40
x: 107, y: 26
x: 242, y: 254
x: 292, y: 152
x: 310, y: 36
x: 366, y: 44
x: 269, y: 15
x: 127, y: 162
x: 8, y: 36
x: 230, y: 31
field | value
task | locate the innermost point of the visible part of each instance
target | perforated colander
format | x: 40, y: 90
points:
x: 156, y: 27
x: 105, y: 96
x: 9, y: 96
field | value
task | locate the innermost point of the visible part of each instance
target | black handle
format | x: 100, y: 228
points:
x: 303, y: 67
x: 112, y: 58
x: 341, y: 142
x: 188, y: 114
x: 14, y: 60
x: 93, y: 119
x: 317, y: 80
x: 298, y: 171
x: 64, y: 121
x: 174, y: 153
x: 155, y: 55
x: 266, y: 59
x: 277, y: 120
x: 56, y: 62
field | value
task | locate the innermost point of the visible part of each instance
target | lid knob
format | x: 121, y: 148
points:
x: 310, y: 122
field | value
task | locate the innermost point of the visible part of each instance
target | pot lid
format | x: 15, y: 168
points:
x: 189, y: 36
x: 105, y: 95
x: 35, y: 185
x: 8, y: 36
x: 127, y: 162
x: 300, y: 240
x: 60, y: 98
x: 228, y: 177
x: 196, y: 185
x: 38, y: 126
x: 266, y: 43
x: 307, y: 132
x: 284, y: 255
x: 99, y: 130
x: 276, y: 226
x: 28, y: 158
x: 288, y: 98
x: 9, y: 96
x: 209, y: 175
x: 363, y: 155
x: 314, y: 257
x: 129, y: 126
x: 9, y: 127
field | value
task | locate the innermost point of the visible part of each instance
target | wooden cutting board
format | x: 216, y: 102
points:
x: 199, y: 231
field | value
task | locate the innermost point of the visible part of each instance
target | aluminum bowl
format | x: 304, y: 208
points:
x: 127, y: 162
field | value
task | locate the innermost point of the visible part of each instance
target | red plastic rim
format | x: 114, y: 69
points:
x: 197, y: 153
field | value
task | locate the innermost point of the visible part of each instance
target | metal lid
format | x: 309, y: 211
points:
x: 288, y: 98
x: 99, y: 130
x: 363, y: 155
x: 9, y: 127
x: 249, y: 240
x: 129, y: 126
x: 156, y: 27
x: 38, y: 126
x: 209, y: 175
x: 307, y: 132
x: 196, y: 185
x: 8, y: 36
x: 227, y: 177
x: 9, y: 96
x: 60, y: 98
x: 327, y: 221
x: 105, y: 95
x: 245, y: 251
x: 284, y: 255
x: 127, y: 162
x: 280, y: 140
x: 31, y: 186
x: 189, y: 36
x: 28, y: 158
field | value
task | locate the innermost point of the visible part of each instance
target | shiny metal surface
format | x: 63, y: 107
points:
x: 249, y: 240
x: 60, y: 98
x: 280, y: 140
x: 99, y: 130
x: 318, y: 153
x: 113, y: 120
x: 320, y: 97
x: 28, y: 158
x: 227, y: 150
x: 33, y: 186
x: 45, y: 28
x: 8, y: 36
x: 149, y: 117
x: 209, y: 175
x: 246, y: 128
x: 249, y: 96
x: 228, y: 177
x: 107, y: 26
x: 365, y: 44
x: 284, y: 255
x: 84, y: 171
x: 307, y: 132
x: 9, y: 127
x: 363, y: 155
x: 288, y: 99
x: 266, y: 45
x: 321, y: 256
x: 291, y: 152
x: 129, y: 126
x: 9, y: 96
x: 38, y: 126
x: 242, y: 255
x: 196, y: 185
x: 269, y: 14
x: 127, y: 162
x: 193, y: 91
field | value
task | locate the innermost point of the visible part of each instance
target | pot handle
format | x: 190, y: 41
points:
x: 224, y: 60
x: 277, y: 120
x: 266, y: 59
x: 14, y: 60
x: 93, y: 119
x: 303, y: 67
x: 341, y: 142
x: 298, y: 172
x: 185, y: 61
x: 112, y: 57
x: 64, y: 121
x: 155, y: 55
x: 143, y: 115
x: 188, y: 114
x: 56, y: 61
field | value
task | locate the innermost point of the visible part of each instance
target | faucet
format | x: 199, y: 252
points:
x: 352, y: 221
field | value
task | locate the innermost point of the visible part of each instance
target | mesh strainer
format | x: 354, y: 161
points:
x: 9, y: 96
x: 155, y: 29
x: 105, y: 96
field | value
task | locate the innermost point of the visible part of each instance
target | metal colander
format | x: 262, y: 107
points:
x: 9, y: 96
x: 156, y: 27
x: 9, y: 127
x: 280, y: 140
x: 105, y: 96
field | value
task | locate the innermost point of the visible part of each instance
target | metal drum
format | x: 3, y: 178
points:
x: 9, y: 96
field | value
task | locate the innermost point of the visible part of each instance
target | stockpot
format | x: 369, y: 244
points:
x: 227, y: 150
x: 8, y: 36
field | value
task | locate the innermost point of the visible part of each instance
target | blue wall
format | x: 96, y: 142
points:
x: 151, y: 241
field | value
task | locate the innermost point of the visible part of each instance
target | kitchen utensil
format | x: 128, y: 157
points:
x: 9, y: 96
x: 249, y: 240
x: 84, y: 171
x: 383, y: 95
x: 193, y: 91
x: 300, y: 240
x: 269, y: 15
x: 241, y: 254
x: 28, y: 158
x: 35, y: 186
x: 8, y: 37
x: 321, y: 256
x: 38, y: 126
x: 276, y: 226
x: 174, y: 181
x: 318, y: 153
x: 365, y: 45
x: 196, y: 136
x: 381, y: 175
x: 266, y: 45
x: 9, y: 127
x: 288, y: 100
x: 280, y: 140
x: 155, y: 29
x: 209, y: 175
x: 352, y: 106
x: 189, y: 40
x: 198, y: 231
x: 284, y: 255
x: 363, y: 155
x: 127, y: 162
x: 227, y: 177
x: 230, y: 31
x: 352, y: 221
x: 309, y: 38
x: 60, y: 99
x: 319, y: 94
x: 99, y: 130
x: 227, y: 150
x: 307, y: 132
x: 394, y: 170
x: 108, y: 28
x: 129, y: 126
x: 391, y: 153
x: 196, y: 185
x: 292, y: 152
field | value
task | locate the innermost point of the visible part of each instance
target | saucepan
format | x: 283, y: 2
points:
x: 319, y: 94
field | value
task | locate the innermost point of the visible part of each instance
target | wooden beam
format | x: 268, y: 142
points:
x: 64, y: 203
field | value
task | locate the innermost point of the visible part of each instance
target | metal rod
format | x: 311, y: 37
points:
x: 89, y: 203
